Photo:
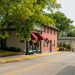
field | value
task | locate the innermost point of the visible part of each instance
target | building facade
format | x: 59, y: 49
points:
x: 50, y: 43
x: 68, y: 40
x: 43, y: 37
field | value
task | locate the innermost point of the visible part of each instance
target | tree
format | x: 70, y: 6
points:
x: 71, y: 34
x: 62, y: 22
x: 22, y: 15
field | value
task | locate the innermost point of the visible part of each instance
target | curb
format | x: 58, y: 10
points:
x: 29, y: 57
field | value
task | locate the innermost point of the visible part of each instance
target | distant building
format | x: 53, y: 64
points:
x: 68, y: 40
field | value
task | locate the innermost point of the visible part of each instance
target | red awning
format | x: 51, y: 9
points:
x: 33, y: 36
x: 40, y: 37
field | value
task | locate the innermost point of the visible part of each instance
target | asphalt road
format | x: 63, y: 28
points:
x: 60, y: 64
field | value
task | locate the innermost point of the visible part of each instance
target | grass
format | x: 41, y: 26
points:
x: 7, y: 53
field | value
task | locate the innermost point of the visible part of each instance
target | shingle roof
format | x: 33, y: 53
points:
x: 51, y: 27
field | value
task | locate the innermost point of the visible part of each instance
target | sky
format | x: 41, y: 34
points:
x: 68, y: 8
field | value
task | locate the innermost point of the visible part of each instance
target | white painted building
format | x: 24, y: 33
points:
x: 68, y: 40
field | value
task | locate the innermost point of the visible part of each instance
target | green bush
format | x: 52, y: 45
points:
x: 64, y: 47
x: 61, y: 48
x: 12, y: 49
x: 60, y: 45
x: 69, y: 47
x: 4, y: 53
x: 18, y: 50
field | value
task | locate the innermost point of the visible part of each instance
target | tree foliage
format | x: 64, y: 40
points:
x: 62, y: 22
x: 23, y: 14
x: 71, y: 31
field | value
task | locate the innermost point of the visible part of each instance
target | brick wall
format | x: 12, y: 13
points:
x: 51, y: 35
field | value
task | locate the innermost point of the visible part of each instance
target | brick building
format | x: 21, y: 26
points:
x: 51, y: 34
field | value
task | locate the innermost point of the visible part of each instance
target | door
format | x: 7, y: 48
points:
x: 50, y: 45
x: 0, y: 43
x: 3, y: 43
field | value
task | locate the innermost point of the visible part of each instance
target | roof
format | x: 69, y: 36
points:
x: 66, y: 38
x: 52, y: 27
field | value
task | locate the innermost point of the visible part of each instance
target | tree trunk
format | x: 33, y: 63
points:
x: 27, y: 50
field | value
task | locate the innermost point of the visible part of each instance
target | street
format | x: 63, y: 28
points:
x: 58, y: 64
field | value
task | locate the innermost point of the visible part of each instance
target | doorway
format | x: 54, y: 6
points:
x: 2, y: 43
x: 50, y: 45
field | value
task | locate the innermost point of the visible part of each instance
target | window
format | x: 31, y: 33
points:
x: 3, y: 43
x: 45, y: 29
x: 54, y: 32
x: 50, y: 31
x: 44, y: 44
x: 47, y: 44
x: 54, y: 42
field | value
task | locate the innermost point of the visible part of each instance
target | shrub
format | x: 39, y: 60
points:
x: 6, y: 49
x: 61, y: 48
x: 60, y: 45
x: 64, y: 45
x: 18, y: 50
x: 69, y: 47
x: 12, y: 49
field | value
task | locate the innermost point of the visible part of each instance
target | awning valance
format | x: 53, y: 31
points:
x: 33, y: 36
x: 40, y: 37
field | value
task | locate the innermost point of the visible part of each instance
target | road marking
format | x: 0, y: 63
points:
x: 29, y: 57
x: 18, y: 71
x: 25, y: 69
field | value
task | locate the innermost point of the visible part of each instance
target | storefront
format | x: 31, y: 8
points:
x: 35, y: 42
x: 43, y: 39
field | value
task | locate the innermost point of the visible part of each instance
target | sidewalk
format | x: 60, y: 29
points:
x: 25, y: 57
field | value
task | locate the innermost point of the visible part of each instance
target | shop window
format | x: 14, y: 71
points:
x: 30, y: 43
